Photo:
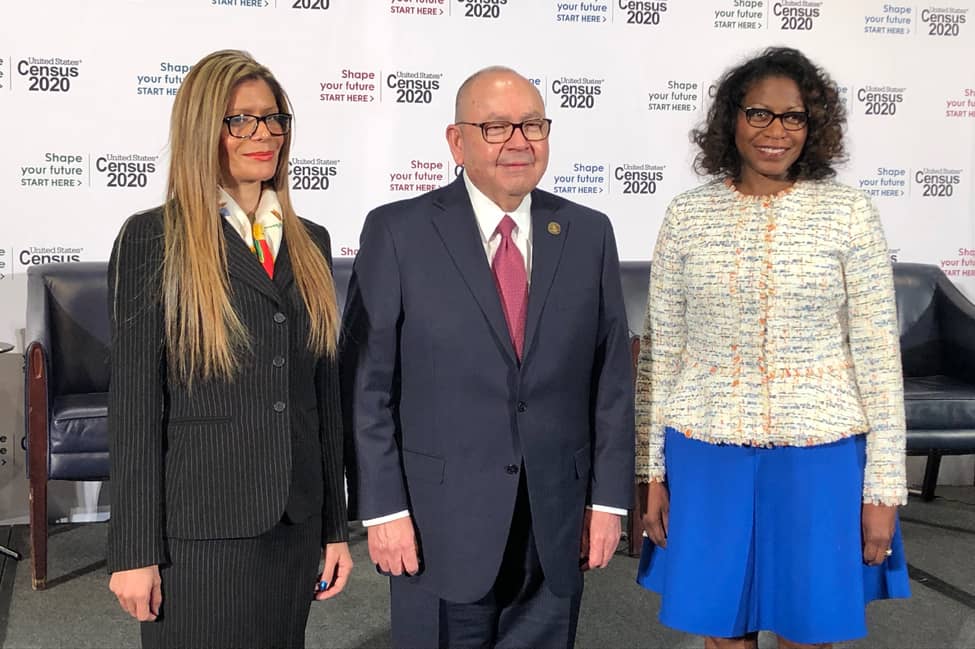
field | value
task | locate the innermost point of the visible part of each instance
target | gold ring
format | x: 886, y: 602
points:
x: 889, y: 552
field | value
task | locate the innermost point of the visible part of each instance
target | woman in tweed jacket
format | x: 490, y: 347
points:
x: 769, y: 398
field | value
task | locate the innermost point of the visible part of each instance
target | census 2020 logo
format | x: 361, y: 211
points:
x: 313, y: 174
x: 414, y: 87
x: 34, y: 255
x: 126, y: 171
x: 938, y: 183
x: 796, y: 15
x: 311, y: 4
x: 639, y: 178
x: 944, y: 21
x: 577, y: 92
x: 48, y: 74
x: 482, y: 8
x: 880, y: 100
x: 642, y: 12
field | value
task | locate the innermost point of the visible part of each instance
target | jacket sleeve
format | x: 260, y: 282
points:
x: 661, y: 349
x: 136, y: 395
x: 335, y: 522
x: 613, y: 413
x: 875, y: 347
x: 370, y: 371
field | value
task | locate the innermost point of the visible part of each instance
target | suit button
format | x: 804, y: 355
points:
x: 279, y: 406
x: 278, y: 361
x: 522, y: 406
x: 512, y: 469
x: 280, y: 317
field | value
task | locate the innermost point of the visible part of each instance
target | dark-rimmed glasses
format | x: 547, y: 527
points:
x: 244, y: 126
x: 534, y: 130
x: 793, y: 120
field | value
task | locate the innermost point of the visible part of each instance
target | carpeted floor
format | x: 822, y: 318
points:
x: 77, y: 610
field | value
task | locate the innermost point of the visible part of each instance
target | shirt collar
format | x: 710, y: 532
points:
x: 267, y: 214
x: 488, y: 214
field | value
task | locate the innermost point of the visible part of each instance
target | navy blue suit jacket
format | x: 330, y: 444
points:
x: 442, y: 411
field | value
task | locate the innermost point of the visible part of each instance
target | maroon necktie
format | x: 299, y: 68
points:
x: 512, y: 280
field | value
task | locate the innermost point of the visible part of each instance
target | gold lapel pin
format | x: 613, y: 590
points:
x: 554, y: 228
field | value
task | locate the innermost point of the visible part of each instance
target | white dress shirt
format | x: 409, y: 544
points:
x: 488, y: 216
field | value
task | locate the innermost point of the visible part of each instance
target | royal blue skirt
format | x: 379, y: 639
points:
x: 767, y: 539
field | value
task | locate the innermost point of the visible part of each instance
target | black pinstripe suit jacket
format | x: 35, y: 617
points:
x: 227, y: 459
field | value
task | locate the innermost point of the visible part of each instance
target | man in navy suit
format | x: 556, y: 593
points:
x: 489, y: 388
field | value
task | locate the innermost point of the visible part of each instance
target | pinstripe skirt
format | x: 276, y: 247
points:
x: 238, y: 593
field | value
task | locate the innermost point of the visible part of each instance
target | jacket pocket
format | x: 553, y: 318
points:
x: 427, y: 468
x: 198, y: 421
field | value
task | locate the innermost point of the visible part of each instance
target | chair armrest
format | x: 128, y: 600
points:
x: 37, y: 407
x: 38, y: 308
x: 37, y: 365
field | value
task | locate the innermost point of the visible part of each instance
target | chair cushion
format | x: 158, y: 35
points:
x: 78, y: 466
x: 79, y: 423
x: 947, y: 442
x: 939, y: 402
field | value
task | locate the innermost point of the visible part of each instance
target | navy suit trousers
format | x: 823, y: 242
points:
x: 519, y: 611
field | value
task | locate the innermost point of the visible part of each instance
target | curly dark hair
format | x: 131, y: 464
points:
x: 827, y: 116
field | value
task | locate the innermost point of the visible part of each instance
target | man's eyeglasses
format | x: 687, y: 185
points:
x: 244, y: 126
x: 794, y: 120
x: 500, y: 132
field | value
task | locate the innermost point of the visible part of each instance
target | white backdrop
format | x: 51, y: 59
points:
x: 86, y: 88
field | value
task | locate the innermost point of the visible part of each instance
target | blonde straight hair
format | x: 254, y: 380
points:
x: 203, y: 331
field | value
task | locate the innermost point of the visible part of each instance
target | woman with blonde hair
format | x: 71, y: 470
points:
x: 225, y: 430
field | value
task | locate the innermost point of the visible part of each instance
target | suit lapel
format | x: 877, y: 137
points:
x: 549, y: 231
x: 456, y: 224
x: 283, y: 271
x: 243, y: 265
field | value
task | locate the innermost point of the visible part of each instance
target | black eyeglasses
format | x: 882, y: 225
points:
x: 500, y: 132
x: 793, y: 120
x: 244, y: 126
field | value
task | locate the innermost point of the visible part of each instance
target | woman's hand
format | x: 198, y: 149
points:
x: 656, y: 513
x: 877, y: 522
x: 139, y: 592
x: 338, y: 565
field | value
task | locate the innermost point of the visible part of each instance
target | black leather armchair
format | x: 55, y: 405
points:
x: 937, y: 327
x: 66, y: 387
